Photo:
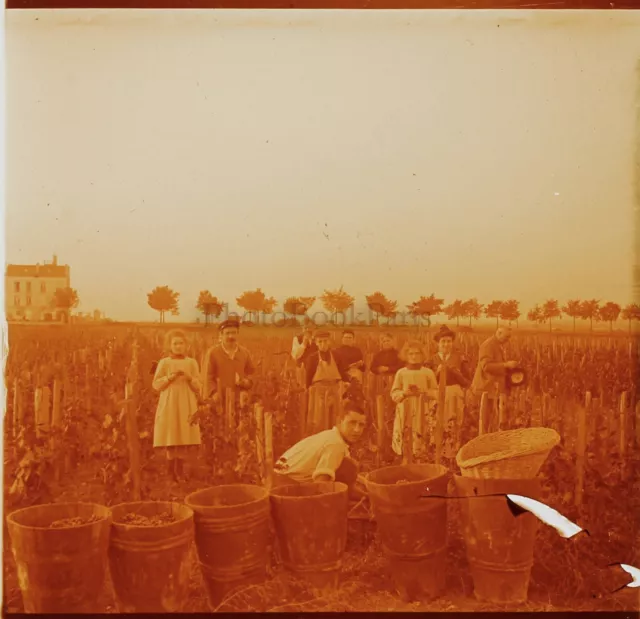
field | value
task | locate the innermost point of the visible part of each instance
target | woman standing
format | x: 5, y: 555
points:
x: 458, y: 378
x: 177, y: 380
x: 409, y: 384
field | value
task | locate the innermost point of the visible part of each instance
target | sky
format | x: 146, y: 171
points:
x: 486, y: 154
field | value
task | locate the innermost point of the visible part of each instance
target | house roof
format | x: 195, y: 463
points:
x: 36, y: 270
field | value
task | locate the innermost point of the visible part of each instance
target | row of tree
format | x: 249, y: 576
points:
x: 255, y: 302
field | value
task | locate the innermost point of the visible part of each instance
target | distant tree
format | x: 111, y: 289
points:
x: 162, y: 299
x: 610, y: 312
x: 335, y: 301
x: 472, y: 309
x: 551, y: 310
x: 536, y: 315
x: 573, y: 309
x: 493, y: 310
x: 380, y: 305
x: 208, y: 305
x: 298, y: 306
x: 455, y: 311
x: 590, y: 310
x: 510, y: 311
x: 256, y: 302
x: 631, y: 312
x: 64, y: 300
x: 426, y: 307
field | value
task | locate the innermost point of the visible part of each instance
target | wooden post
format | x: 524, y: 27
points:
x: 130, y: 411
x: 268, y: 449
x: 133, y: 439
x: 637, y: 420
x: 407, y: 434
x: 482, y: 415
x: 87, y: 388
x: 56, y: 422
x: 502, y: 412
x: 303, y: 408
x: 258, y: 411
x: 442, y: 395
x: 18, y: 410
x: 230, y: 410
x: 580, y: 455
x: 326, y: 418
x: 42, y: 409
x: 381, y: 428
x: 623, y: 422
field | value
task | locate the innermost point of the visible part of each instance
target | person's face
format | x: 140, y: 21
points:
x: 387, y: 343
x: 503, y: 334
x: 352, y: 426
x: 348, y: 339
x: 322, y: 343
x: 230, y: 335
x: 445, y: 345
x: 178, y: 345
x: 414, y: 355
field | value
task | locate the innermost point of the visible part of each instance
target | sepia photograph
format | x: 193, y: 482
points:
x: 321, y: 311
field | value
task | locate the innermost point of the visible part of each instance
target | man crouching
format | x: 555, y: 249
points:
x: 325, y: 456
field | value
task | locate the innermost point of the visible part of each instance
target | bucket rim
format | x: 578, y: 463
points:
x: 11, y: 518
x: 127, y: 525
x: 188, y: 500
x: 339, y: 488
x: 443, y: 472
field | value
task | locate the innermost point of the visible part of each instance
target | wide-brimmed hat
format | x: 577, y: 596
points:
x: 444, y: 331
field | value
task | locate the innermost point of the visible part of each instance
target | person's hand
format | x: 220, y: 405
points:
x: 216, y: 398
x: 244, y: 383
x: 383, y: 369
x: 511, y: 365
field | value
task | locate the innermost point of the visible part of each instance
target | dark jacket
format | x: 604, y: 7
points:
x: 458, y: 370
x: 388, y: 358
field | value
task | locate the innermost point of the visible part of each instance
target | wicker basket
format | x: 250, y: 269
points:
x: 511, y: 454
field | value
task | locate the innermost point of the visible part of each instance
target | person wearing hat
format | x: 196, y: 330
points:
x: 457, y: 379
x: 325, y: 456
x: 323, y: 375
x: 228, y: 365
x: 491, y: 373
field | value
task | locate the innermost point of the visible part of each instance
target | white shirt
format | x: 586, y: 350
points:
x: 297, y: 349
x: 318, y: 454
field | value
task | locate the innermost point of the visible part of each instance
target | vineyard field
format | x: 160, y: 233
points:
x: 74, y: 391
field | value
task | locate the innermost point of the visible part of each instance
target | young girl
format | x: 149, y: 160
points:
x: 409, y: 382
x: 177, y: 379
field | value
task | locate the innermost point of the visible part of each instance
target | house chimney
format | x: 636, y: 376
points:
x: 55, y: 260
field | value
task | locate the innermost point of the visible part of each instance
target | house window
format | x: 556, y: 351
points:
x: 28, y: 287
x: 43, y: 287
x: 16, y: 287
x: 16, y: 301
x: 28, y: 300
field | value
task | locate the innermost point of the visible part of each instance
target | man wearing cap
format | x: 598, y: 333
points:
x: 490, y: 375
x: 325, y: 456
x: 323, y: 377
x: 457, y: 378
x: 228, y: 364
